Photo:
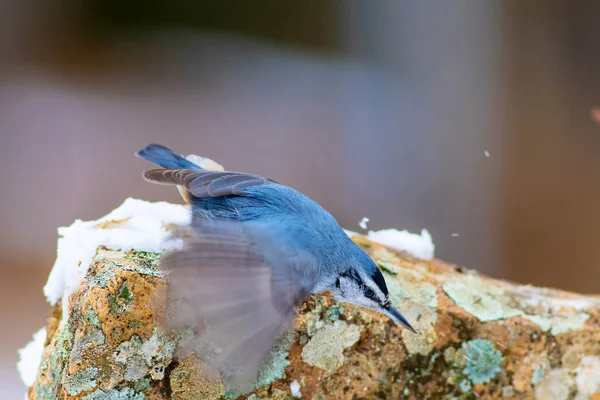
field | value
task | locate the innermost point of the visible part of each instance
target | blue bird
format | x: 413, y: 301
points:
x: 257, y: 250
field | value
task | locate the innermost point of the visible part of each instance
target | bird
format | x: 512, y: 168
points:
x: 256, y: 250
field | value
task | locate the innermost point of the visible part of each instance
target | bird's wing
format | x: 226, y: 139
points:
x: 237, y: 287
x: 206, y: 183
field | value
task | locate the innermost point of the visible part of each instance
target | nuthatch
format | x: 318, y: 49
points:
x: 259, y: 249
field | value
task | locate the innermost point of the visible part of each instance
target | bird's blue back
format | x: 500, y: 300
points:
x: 298, y: 221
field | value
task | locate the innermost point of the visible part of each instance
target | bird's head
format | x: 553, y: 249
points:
x: 362, y: 283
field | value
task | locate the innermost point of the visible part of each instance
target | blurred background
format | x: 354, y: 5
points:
x: 461, y: 117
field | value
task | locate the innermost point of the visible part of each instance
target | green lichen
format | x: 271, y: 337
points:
x: 465, y: 386
x: 91, y: 317
x: 508, y: 391
x: 325, y: 349
x: 63, y: 345
x: 556, y: 385
x: 142, y: 357
x: 455, y: 357
x: 136, y: 369
x: 408, y: 284
x: 115, y: 394
x: 476, y: 362
x: 95, y: 337
x: 64, y: 341
x: 386, y: 256
x: 483, y: 361
x: 333, y: 313
x: 277, y: 361
x: 314, y: 327
x: 81, y: 381
x: 303, y: 338
x: 92, y: 337
x: 316, y: 323
x: 319, y: 303
x: 455, y: 377
x: 159, y: 348
x: 99, y: 277
x: 145, y: 262
x: 560, y: 323
x: 484, y: 301
x: 539, y: 373
x: 135, y: 324
x: 423, y: 320
x: 142, y: 385
x: 117, y: 333
x: 387, y: 260
x: 429, y: 370
x: 273, y: 368
x: 120, y: 302
x: 389, y: 267
x: 46, y: 392
x: 124, y: 293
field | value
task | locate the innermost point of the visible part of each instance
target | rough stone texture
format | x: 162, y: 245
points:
x: 478, y: 338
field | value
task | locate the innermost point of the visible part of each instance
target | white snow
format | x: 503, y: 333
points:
x: 135, y: 224
x: 363, y: 222
x: 351, y: 233
x: 30, y: 357
x: 419, y: 245
x: 295, y: 388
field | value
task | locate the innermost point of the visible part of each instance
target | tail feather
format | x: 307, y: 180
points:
x: 165, y: 157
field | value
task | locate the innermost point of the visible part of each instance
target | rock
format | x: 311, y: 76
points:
x: 478, y: 338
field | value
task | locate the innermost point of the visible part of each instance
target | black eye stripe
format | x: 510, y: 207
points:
x: 370, y: 293
x: 380, y: 282
x: 353, y: 275
x: 367, y: 291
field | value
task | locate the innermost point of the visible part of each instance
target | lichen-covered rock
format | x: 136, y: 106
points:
x: 477, y: 338
x: 194, y: 379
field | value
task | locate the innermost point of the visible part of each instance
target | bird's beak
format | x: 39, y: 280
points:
x: 395, y: 315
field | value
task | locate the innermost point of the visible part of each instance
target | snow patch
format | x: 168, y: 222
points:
x: 363, y: 222
x: 418, y: 245
x: 351, y: 233
x: 135, y: 224
x: 30, y: 357
x: 295, y: 388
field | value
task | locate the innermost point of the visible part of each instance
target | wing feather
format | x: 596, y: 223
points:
x: 241, y: 287
x: 206, y: 183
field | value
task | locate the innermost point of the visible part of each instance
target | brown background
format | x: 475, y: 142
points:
x: 378, y: 110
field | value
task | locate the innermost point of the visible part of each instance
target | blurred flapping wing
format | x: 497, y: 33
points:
x: 237, y: 286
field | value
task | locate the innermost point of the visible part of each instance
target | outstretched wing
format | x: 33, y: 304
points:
x: 206, y: 183
x: 237, y: 287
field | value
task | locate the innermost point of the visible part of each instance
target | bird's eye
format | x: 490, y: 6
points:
x: 337, y: 283
x: 369, y: 293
